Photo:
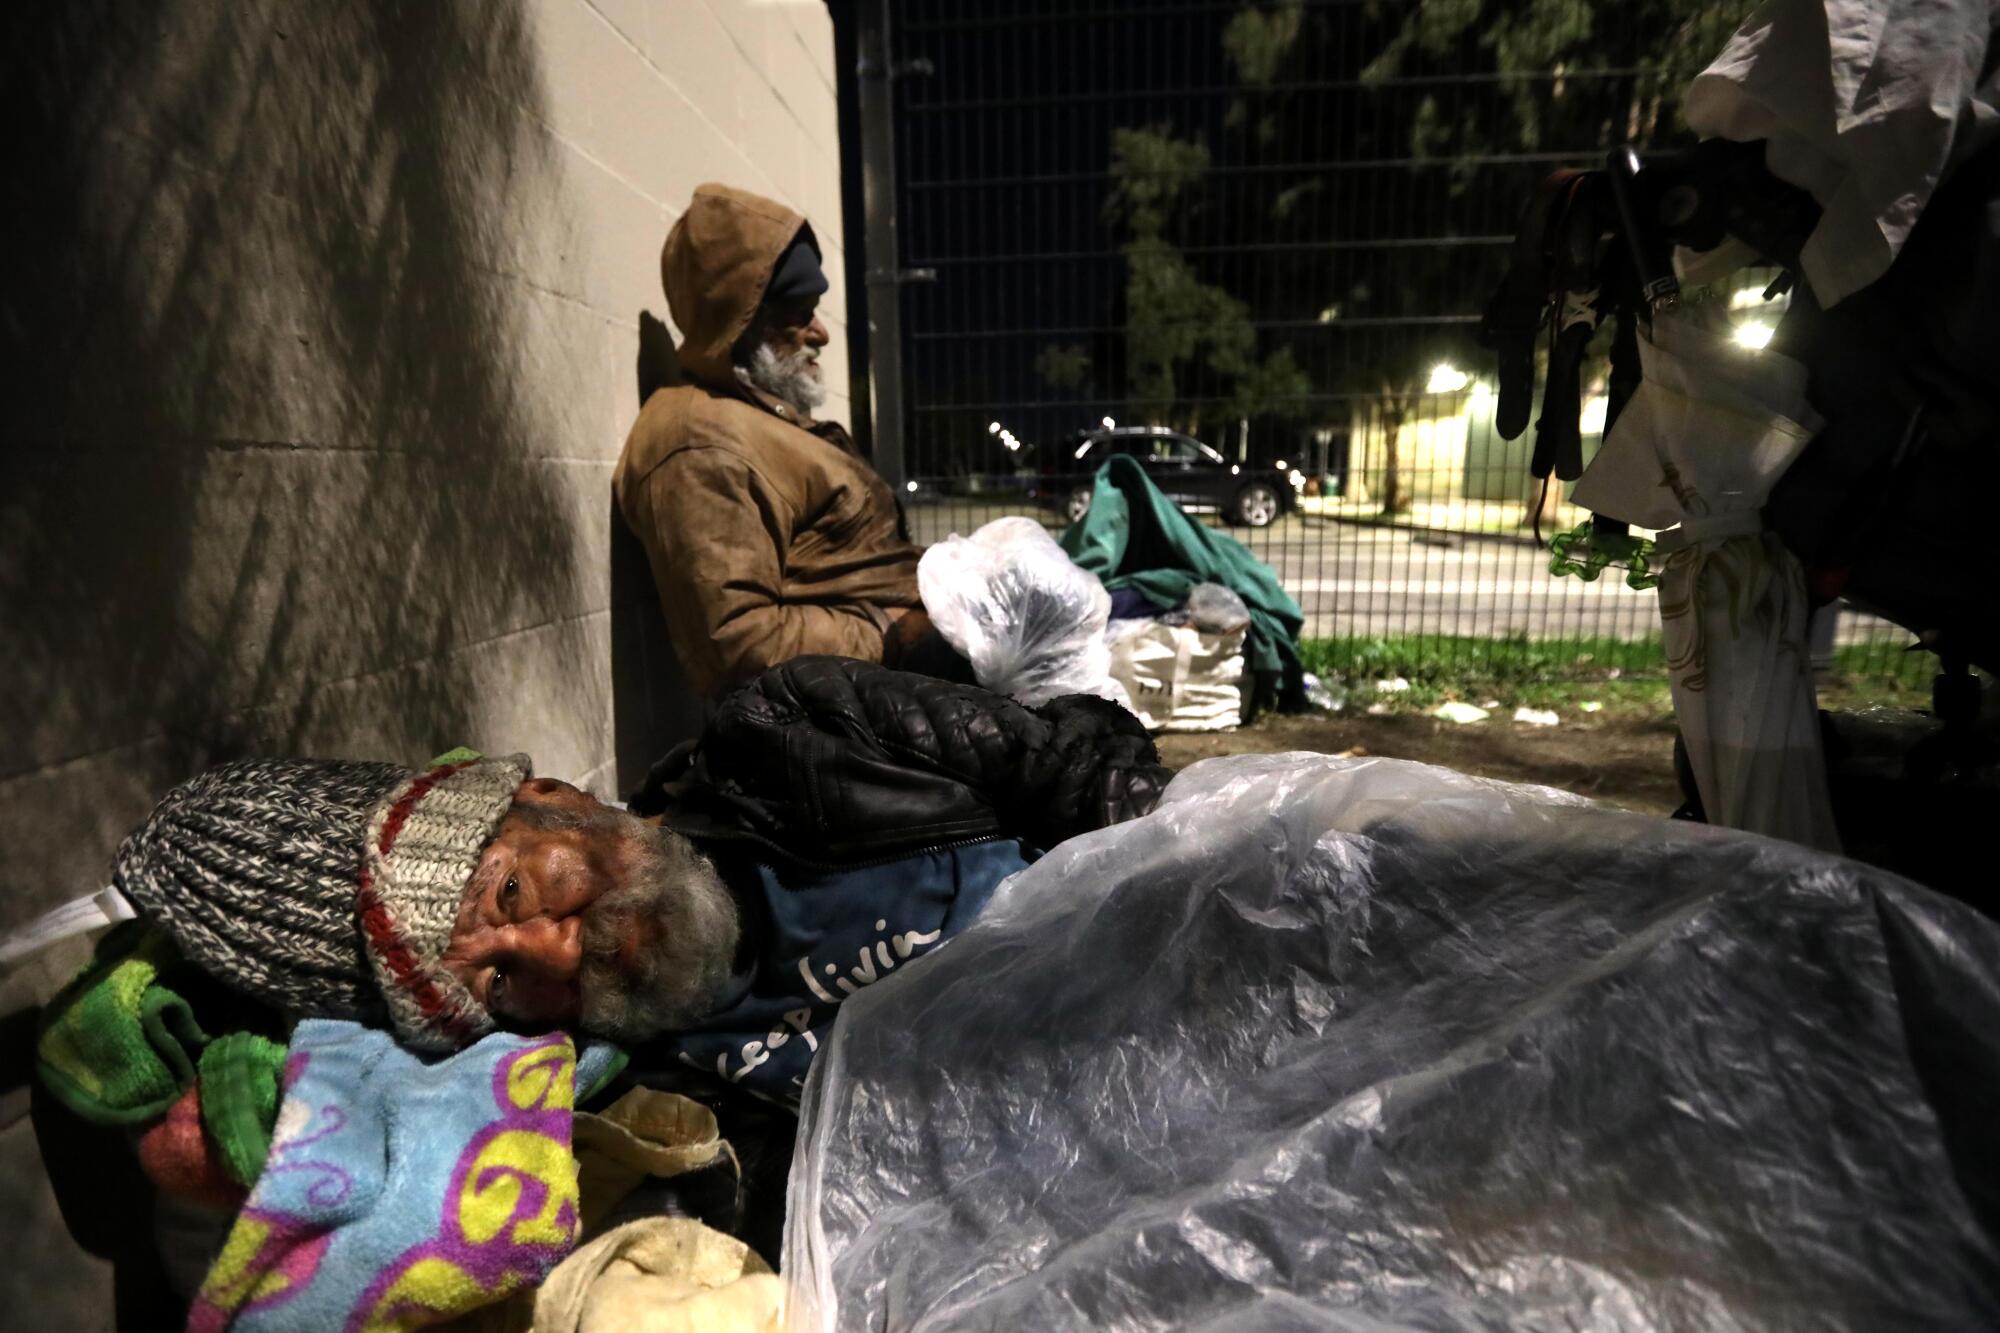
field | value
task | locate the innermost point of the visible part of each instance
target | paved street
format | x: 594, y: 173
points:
x: 1363, y: 580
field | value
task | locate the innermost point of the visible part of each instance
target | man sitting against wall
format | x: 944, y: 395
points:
x: 769, y: 536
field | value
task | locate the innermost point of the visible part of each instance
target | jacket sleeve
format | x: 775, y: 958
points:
x: 1046, y: 774
x: 715, y: 533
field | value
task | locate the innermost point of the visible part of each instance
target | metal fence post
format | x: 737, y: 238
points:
x: 876, y: 92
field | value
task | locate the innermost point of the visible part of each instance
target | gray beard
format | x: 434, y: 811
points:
x: 786, y: 378
x: 676, y: 902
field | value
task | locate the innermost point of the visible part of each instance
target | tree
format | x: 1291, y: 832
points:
x: 1181, y: 332
x: 1574, y: 79
x: 1176, y: 323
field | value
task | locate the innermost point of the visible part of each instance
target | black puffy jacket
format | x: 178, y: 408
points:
x: 833, y: 762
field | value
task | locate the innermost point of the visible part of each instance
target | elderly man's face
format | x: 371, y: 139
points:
x: 780, y: 354
x: 792, y: 330
x: 582, y: 913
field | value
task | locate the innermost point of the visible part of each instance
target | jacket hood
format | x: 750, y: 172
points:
x: 717, y: 262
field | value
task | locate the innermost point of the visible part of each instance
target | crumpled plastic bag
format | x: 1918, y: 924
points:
x: 1214, y: 609
x: 1014, y: 605
x: 1368, y: 1044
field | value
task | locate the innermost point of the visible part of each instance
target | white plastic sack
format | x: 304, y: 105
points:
x: 1016, y: 607
x: 1708, y: 433
x: 1365, y: 1044
x: 1179, y: 677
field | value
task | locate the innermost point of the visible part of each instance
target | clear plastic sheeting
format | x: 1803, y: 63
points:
x: 1016, y: 607
x: 1366, y: 1044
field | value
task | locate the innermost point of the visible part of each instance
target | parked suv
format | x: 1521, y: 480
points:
x: 1187, y: 471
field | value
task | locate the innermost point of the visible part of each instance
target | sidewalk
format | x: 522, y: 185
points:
x: 1488, y: 518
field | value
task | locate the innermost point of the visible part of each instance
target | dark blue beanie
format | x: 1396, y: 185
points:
x: 798, y: 276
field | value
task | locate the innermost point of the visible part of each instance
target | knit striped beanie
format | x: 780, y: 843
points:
x: 326, y: 888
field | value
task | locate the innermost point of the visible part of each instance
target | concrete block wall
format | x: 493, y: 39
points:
x: 322, y: 349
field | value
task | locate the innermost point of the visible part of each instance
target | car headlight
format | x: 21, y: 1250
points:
x: 1297, y: 478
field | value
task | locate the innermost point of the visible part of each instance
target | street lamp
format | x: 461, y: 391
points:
x: 1447, y: 378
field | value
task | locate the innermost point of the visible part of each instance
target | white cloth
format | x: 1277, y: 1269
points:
x: 106, y: 907
x: 1708, y: 433
x: 1866, y: 104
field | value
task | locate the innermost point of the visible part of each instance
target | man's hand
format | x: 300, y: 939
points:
x: 912, y: 625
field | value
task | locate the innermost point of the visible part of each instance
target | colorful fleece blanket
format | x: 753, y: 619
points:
x: 398, y: 1192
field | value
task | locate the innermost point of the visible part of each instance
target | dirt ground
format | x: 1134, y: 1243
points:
x: 1623, y: 761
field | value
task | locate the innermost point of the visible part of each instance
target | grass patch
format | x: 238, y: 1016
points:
x: 1884, y: 667
x: 1626, y: 677
x: 1449, y: 659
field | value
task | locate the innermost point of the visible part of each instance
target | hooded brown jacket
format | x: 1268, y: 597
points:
x: 769, y: 536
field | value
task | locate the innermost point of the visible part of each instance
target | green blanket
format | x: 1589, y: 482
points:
x: 120, y: 1044
x: 1135, y: 537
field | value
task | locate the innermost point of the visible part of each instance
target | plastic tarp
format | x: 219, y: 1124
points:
x: 1696, y: 451
x: 1362, y: 1044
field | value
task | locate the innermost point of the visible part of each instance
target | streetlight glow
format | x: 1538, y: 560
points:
x: 1447, y: 378
x: 1755, y: 335
x: 1109, y: 424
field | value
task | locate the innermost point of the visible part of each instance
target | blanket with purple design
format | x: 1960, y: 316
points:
x: 400, y: 1192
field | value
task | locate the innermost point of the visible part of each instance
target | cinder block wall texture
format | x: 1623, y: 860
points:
x: 320, y: 331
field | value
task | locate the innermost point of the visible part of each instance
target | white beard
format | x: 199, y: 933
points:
x: 788, y: 378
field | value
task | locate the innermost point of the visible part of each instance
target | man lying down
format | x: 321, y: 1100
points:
x: 836, y: 820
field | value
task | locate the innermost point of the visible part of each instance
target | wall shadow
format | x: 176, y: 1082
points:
x: 270, y: 430
x: 653, y: 707
x: 277, y: 456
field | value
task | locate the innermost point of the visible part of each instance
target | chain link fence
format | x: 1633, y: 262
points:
x: 1264, y: 234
